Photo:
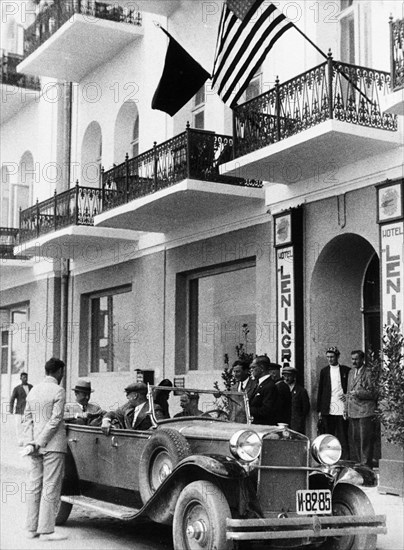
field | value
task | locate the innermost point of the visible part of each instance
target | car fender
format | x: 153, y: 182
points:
x: 214, y: 468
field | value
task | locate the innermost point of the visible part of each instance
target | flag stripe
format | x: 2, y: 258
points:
x: 236, y: 34
x: 249, y: 44
x: 243, y: 45
x: 260, y: 61
x: 276, y: 26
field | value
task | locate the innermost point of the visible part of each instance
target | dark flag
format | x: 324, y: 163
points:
x: 182, y: 77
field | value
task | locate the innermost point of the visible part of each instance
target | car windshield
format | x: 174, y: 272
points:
x: 172, y: 402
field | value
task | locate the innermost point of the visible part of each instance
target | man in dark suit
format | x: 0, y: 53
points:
x: 244, y: 384
x: 300, y: 403
x: 264, y: 400
x: 134, y: 415
x: 19, y: 397
x: 331, y: 399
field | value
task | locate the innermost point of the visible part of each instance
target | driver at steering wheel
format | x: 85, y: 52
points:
x: 189, y: 404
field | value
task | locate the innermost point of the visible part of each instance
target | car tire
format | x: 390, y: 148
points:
x: 63, y: 512
x: 200, y: 518
x: 349, y: 500
x: 161, y: 454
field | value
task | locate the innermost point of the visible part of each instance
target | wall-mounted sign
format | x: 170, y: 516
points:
x: 389, y: 201
x: 392, y: 259
x: 283, y: 229
x: 286, y: 305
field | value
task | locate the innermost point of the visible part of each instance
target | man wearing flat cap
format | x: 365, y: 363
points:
x: 83, y: 412
x: 331, y: 399
x: 300, y: 402
x: 134, y: 415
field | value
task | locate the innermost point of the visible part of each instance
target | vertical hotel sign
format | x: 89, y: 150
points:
x: 391, y: 220
x: 288, y: 245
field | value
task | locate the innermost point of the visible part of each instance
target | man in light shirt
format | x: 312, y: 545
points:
x: 331, y: 399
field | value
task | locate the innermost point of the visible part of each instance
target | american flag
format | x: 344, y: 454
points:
x: 247, y: 31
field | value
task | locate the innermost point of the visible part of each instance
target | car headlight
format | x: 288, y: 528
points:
x: 245, y: 445
x: 326, y: 449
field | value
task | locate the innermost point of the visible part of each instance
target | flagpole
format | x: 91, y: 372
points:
x: 326, y: 57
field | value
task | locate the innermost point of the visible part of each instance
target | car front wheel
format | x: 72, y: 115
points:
x: 200, y: 518
x: 348, y: 500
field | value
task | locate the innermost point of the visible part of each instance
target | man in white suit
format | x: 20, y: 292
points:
x: 46, y: 445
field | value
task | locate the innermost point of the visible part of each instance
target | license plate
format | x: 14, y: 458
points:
x: 313, y: 502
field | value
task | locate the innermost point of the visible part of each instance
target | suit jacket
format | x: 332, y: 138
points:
x: 237, y: 412
x: 20, y: 398
x: 299, y: 407
x: 43, y: 423
x: 264, y: 403
x: 92, y: 416
x: 363, y: 404
x: 284, y: 409
x: 324, y: 387
x: 123, y: 417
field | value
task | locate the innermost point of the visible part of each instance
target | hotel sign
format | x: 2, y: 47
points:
x: 392, y: 245
x: 288, y: 242
x: 286, y: 305
x: 390, y: 216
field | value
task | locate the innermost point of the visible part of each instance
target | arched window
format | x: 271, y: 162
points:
x: 371, y: 305
x: 22, y: 191
x: 5, y: 202
x: 91, y: 156
x: 126, y: 136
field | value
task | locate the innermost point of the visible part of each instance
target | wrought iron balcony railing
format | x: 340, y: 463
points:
x: 9, y: 74
x: 194, y: 154
x: 76, y: 206
x: 8, y: 240
x: 57, y: 12
x: 397, y: 54
x: 332, y: 90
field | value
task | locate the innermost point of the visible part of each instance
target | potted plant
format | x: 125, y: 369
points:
x: 388, y: 375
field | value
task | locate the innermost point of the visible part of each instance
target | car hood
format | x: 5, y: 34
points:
x: 222, y: 430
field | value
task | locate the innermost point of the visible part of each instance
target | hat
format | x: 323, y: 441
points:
x: 289, y: 370
x: 83, y: 385
x: 274, y: 366
x: 137, y: 387
x: 333, y: 349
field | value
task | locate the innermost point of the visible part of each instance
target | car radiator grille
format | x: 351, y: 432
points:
x: 278, y: 484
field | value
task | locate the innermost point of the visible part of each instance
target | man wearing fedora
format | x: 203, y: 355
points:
x: 300, y: 402
x: 134, y: 415
x: 83, y: 412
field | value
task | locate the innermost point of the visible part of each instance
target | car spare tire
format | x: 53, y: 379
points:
x: 161, y: 454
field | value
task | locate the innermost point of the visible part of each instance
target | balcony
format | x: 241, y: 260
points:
x: 63, y: 226
x: 70, y: 38
x: 17, y: 89
x: 328, y: 116
x: 8, y: 240
x: 174, y: 185
x: 394, y: 102
x: 158, y: 7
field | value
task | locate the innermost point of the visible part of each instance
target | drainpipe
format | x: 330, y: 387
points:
x: 65, y: 262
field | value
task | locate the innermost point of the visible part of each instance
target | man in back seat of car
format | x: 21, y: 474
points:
x: 134, y: 415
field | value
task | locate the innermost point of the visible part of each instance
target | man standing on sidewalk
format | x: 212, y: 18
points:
x: 361, y: 407
x: 19, y: 397
x: 46, y: 445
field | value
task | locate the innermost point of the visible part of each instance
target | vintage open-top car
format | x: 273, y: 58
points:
x: 219, y: 482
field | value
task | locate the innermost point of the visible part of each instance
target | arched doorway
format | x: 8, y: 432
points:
x: 126, y: 135
x: 91, y: 156
x: 344, y: 306
x: 23, y: 190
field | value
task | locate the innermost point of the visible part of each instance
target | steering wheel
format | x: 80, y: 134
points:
x: 217, y: 413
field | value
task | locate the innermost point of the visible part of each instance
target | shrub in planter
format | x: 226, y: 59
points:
x: 388, y: 377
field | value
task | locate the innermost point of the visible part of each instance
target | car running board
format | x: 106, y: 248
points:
x: 106, y: 508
